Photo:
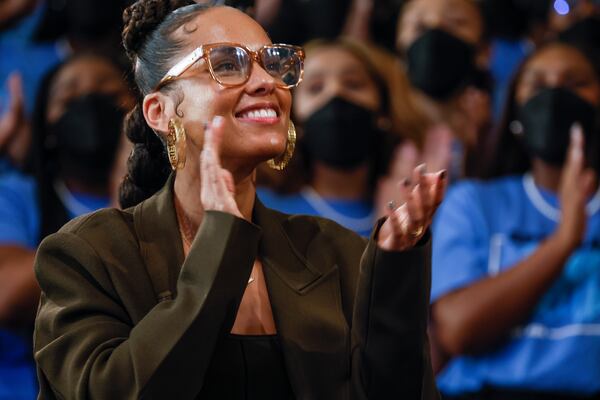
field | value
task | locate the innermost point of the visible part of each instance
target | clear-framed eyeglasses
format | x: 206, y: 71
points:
x: 230, y: 64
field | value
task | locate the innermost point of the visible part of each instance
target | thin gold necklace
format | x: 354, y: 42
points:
x: 186, y: 227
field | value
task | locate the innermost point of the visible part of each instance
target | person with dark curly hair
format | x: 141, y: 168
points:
x: 199, y: 291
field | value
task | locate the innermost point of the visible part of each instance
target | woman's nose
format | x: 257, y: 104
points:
x: 260, y: 82
x: 335, y: 89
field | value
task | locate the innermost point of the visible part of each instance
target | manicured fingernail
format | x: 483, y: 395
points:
x: 443, y: 174
x: 422, y: 168
x: 218, y: 121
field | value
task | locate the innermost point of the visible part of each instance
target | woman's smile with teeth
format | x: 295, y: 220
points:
x: 263, y: 113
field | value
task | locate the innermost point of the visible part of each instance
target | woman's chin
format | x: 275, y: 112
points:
x: 270, y: 146
x: 248, y: 160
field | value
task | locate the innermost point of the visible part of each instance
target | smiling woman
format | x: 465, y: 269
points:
x: 198, y: 290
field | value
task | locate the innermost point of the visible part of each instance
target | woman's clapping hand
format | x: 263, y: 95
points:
x: 407, y: 223
x: 217, y: 187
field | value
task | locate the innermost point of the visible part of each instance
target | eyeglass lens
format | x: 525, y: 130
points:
x: 231, y: 65
x: 282, y: 63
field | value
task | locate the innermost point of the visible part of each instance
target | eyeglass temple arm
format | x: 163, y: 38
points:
x: 184, y: 64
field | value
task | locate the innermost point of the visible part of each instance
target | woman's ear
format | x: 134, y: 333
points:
x: 155, y: 107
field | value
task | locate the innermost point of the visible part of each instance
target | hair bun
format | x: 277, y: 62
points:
x: 142, y: 18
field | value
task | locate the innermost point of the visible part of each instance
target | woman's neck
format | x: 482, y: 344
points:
x: 337, y: 183
x: 548, y: 177
x: 545, y: 175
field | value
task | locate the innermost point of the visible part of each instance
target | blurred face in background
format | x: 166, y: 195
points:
x: 557, y: 88
x: 458, y: 17
x: 330, y: 72
x: 87, y: 100
x: 85, y: 75
x: 559, y: 66
x: 441, y: 42
x: 337, y: 105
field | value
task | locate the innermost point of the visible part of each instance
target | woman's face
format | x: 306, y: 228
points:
x: 198, y: 98
x: 333, y: 71
x: 85, y: 75
x: 458, y: 17
x: 559, y: 66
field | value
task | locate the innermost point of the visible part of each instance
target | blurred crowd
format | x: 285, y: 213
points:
x: 503, y: 94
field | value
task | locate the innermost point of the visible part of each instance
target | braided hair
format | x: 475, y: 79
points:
x: 149, y: 41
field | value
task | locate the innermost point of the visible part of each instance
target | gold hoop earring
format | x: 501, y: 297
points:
x: 282, y: 161
x: 176, y: 144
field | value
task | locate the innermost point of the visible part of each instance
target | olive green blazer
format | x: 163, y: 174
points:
x: 124, y: 316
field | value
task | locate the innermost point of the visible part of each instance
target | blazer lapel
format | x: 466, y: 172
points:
x: 303, y: 284
x: 159, y: 239
x: 306, y: 303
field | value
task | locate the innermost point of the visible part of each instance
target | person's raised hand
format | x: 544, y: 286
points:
x: 407, y: 224
x: 217, y: 186
x: 15, y: 130
x: 576, y: 185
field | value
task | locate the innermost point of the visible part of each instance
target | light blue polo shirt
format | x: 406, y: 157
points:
x: 356, y: 215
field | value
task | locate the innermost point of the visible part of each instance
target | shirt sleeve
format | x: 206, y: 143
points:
x: 18, y: 211
x: 460, y: 241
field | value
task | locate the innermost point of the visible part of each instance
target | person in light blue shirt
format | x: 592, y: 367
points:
x: 76, y: 131
x: 516, y: 258
x: 341, y: 152
x: 19, y: 236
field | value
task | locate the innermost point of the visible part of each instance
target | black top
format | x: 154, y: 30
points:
x: 247, y: 367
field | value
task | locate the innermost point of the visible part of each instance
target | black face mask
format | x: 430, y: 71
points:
x: 87, y: 136
x: 340, y: 134
x: 547, y: 119
x: 439, y: 64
